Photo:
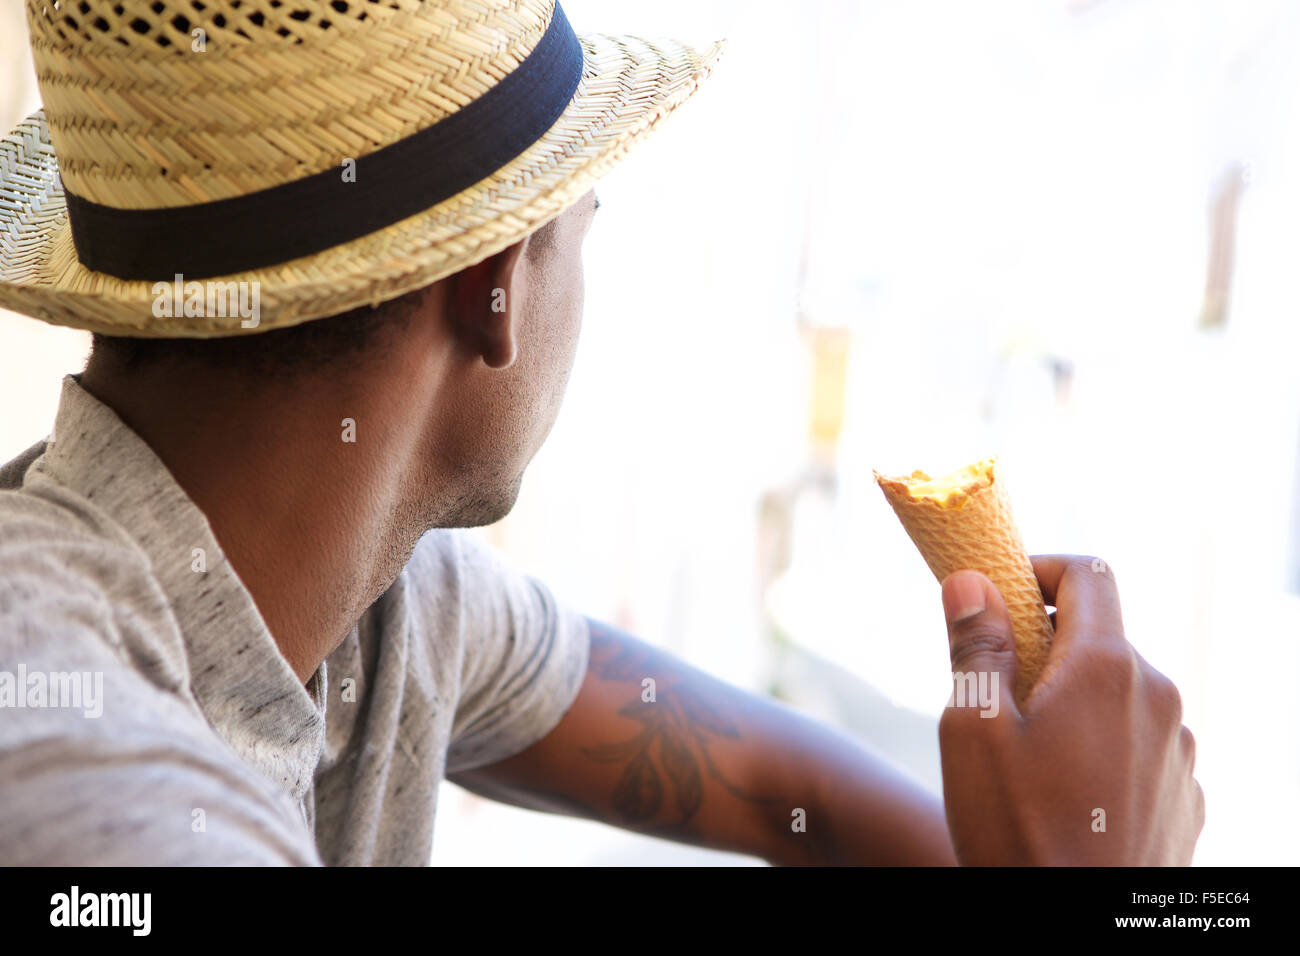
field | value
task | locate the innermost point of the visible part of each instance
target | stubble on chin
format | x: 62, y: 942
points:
x: 485, y: 502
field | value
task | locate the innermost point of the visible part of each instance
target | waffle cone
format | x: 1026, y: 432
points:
x: 976, y: 530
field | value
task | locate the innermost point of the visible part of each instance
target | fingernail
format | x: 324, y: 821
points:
x: 963, y: 597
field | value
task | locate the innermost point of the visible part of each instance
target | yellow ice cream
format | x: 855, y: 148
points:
x: 964, y: 521
x: 950, y: 491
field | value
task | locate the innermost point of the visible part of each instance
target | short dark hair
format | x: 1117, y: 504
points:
x: 333, y: 343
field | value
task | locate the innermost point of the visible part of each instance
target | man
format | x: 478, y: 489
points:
x: 236, y: 538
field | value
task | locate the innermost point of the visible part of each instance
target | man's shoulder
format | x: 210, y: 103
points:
x: 456, y: 569
x: 35, y: 507
x: 438, y: 547
x: 444, y: 562
x: 104, y: 755
x: 12, y: 471
x: 52, y: 535
x: 76, y: 592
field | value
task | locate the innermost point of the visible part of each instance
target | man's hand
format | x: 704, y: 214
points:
x: 1096, y: 767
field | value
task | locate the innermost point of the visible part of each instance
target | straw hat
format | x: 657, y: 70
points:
x: 336, y: 153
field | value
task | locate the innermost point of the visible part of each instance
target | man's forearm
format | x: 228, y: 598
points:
x: 864, y: 812
x: 658, y: 747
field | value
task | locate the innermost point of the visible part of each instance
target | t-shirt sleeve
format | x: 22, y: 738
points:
x: 524, y: 658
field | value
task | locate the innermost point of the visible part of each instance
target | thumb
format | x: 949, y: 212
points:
x: 980, y: 640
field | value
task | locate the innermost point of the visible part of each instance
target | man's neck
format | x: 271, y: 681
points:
x: 317, y: 526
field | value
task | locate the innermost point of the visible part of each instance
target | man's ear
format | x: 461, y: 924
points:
x: 484, y: 304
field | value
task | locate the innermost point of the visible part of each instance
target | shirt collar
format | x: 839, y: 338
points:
x: 236, y: 673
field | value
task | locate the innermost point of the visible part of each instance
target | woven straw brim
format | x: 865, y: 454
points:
x: 629, y: 84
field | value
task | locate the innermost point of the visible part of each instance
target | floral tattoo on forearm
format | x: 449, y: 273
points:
x: 672, y: 749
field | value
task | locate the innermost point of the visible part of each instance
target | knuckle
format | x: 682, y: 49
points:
x: 954, y: 723
x: 1112, y: 663
x: 964, y: 729
x: 1089, y: 565
x: 1166, y: 697
x: 950, y: 721
x: 979, y: 642
x: 958, y: 722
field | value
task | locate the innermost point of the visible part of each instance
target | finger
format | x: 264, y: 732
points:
x: 1086, y: 599
x: 1051, y: 570
x: 980, y: 641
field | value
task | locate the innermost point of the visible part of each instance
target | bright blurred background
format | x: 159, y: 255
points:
x: 907, y: 235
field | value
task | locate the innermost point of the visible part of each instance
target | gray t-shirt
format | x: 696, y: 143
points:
x: 147, y: 716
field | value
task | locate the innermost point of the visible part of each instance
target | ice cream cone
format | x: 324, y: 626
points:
x: 965, y: 521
